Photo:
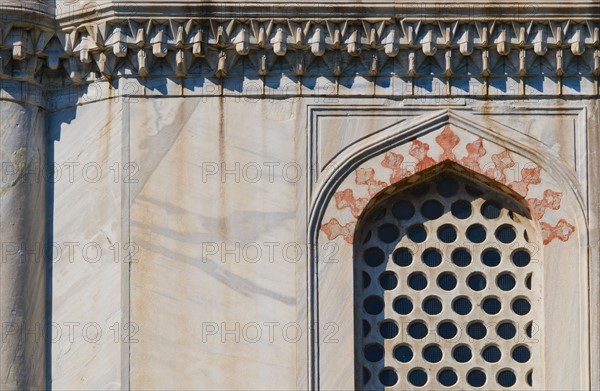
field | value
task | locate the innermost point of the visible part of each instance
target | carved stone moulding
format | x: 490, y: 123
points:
x: 351, y: 181
x: 533, y: 53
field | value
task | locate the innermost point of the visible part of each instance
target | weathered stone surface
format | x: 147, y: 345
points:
x: 89, y: 304
x: 23, y: 266
x: 238, y: 279
x: 203, y: 277
x: 199, y: 173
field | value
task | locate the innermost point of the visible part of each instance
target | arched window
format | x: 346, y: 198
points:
x: 448, y: 288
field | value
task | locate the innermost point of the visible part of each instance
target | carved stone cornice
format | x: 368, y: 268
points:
x: 76, y: 12
x: 448, y: 51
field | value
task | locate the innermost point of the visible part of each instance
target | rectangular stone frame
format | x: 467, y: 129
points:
x: 310, y: 374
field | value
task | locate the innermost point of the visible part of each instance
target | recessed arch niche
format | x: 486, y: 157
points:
x: 376, y: 169
x: 447, y: 284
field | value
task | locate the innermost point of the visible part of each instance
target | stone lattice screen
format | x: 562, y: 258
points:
x: 448, y: 289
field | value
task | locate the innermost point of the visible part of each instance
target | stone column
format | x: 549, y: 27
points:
x: 22, y: 238
x: 23, y: 219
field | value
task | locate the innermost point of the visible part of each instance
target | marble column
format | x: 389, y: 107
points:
x: 23, y: 266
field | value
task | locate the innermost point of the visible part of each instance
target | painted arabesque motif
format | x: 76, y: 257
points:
x: 481, y: 156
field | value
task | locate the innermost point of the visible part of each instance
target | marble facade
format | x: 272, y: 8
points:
x: 181, y: 181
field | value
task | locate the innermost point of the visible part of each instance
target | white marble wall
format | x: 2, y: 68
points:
x: 209, y: 282
x: 212, y: 251
x: 213, y: 209
x: 87, y: 267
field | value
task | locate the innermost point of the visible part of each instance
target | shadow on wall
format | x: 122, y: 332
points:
x: 53, y: 137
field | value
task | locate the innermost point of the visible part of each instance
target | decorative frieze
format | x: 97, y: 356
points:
x: 377, y: 49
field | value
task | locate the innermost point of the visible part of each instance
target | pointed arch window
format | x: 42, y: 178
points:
x: 448, y: 288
